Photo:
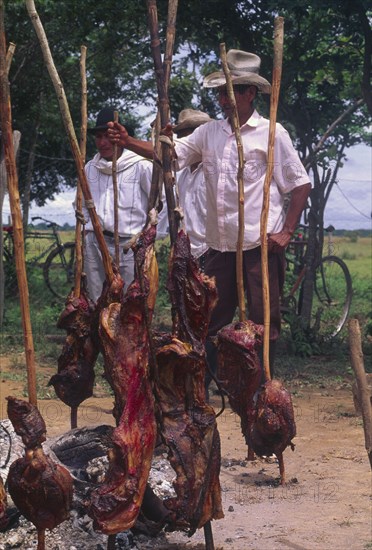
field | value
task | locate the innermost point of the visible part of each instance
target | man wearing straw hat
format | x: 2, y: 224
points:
x: 215, y: 145
x: 133, y: 181
x: 191, y: 186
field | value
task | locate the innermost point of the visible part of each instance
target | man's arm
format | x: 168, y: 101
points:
x: 299, y: 196
x: 119, y: 135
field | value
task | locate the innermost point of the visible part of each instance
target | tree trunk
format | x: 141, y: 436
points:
x: 28, y: 178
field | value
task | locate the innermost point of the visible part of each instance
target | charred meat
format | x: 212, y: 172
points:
x: 40, y: 488
x: 124, y: 338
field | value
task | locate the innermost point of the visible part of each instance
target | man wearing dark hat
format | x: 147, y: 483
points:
x: 214, y: 144
x: 134, y: 181
x: 191, y: 185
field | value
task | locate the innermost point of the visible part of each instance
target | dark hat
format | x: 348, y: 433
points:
x: 104, y: 116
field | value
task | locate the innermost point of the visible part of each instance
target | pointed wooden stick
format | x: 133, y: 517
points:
x: 275, y: 88
x: 14, y: 199
x: 164, y: 116
x: 66, y: 117
x: 116, y: 199
x: 79, y: 193
x: 236, y: 127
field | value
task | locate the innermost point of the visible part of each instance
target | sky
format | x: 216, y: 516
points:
x: 349, y: 206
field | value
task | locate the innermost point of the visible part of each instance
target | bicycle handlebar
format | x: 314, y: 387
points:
x: 44, y: 219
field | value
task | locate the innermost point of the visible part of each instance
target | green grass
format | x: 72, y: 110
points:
x: 332, y: 359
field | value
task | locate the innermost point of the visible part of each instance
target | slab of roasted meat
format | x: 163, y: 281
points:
x: 271, y: 424
x: 124, y: 339
x: 3, y: 503
x: 187, y: 423
x: 40, y: 488
x: 239, y: 368
x: 74, y: 380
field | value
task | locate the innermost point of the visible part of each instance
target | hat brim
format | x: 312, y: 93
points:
x: 218, y: 79
x: 189, y: 125
x: 97, y: 129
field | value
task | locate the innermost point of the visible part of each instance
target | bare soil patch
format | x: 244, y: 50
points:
x: 326, y: 503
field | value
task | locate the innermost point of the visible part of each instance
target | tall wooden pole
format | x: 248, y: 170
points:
x: 14, y: 199
x: 275, y: 88
x: 164, y: 117
x: 116, y: 198
x: 79, y: 192
x: 236, y: 127
x: 69, y: 127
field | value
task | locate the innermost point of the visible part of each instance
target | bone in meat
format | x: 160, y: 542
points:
x: 187, y: 423
x: 40, y: 488
x: 125, y: 343
x: 74, y: 380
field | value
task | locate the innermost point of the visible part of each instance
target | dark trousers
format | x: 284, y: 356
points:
x: 222, y: 266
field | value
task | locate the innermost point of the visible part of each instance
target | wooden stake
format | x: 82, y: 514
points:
x: 79, y: 193
x: 116, y: 200
x: 164, y: 114
x: 14, y: 199
x: 277, y: 72
x: 357, y: 363
x: 236, y: 128
x: 66, y: 117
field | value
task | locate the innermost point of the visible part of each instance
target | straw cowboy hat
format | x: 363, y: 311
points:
x: 244, y: 69
x: 189, y: 118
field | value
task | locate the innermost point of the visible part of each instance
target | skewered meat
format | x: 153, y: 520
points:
x: 74, y: 380
x: 40, y: 488
x: 187, y: 423
x: 239, y: 370
x: 272, y: 425
x: 125, y: 344
x: 3, y: 503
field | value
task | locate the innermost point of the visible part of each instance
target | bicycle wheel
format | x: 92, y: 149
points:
x: 59, y: 270
x: 331, y: 297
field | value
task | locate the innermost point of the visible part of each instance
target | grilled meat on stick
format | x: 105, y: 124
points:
x: 74, y: 380
x: 40, y: 488
x: 124, y: 338
x: 187, y: 423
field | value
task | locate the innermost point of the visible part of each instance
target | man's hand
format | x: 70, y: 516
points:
x: 278, y: 241
x: 117, y: 134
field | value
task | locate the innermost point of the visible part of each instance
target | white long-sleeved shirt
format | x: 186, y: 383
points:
x: 214, y: 144
x: 134, y: 175
x: 191, y: 192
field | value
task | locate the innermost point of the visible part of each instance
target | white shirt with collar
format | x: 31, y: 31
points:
x: 191, y: 192
x: 134, y: 175
x: 214, y: 144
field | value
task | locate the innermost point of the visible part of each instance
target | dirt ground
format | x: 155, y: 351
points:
x: 326, y: 503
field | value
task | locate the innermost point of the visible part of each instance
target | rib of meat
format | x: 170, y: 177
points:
x: 187, y: 423
x: 272, y: 425
x: 74, y: 380
x: 239, y: 369
x: 125, y: 344
x: 40, y: 488
x: 3, y: 504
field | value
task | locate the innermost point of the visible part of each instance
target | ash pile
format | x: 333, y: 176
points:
x: 83, y: 451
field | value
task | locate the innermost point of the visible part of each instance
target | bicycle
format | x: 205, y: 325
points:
x: 332, y: 289
x: 59, y: 264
